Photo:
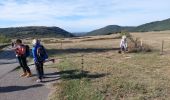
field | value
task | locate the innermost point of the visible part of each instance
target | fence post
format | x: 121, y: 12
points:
x: 61, y: 45
x: 82, y: 64
x: 162, y: 47
x: 141, y: 42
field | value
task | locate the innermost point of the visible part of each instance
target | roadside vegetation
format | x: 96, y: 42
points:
x: 107, y: 75
x: 4, y: 39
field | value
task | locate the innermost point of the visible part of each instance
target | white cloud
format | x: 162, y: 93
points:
x: 81, y: 15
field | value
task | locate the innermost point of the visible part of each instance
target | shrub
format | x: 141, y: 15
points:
x: 135, y: 45
x: 4, y: 39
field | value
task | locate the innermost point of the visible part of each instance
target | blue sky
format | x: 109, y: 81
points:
x: 81, y: 15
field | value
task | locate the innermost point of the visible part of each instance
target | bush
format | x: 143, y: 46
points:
x: 4, y: 39
x: 135, y: 45
x: 127, y: 34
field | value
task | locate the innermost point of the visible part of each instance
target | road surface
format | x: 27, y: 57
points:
x: 14, y: 87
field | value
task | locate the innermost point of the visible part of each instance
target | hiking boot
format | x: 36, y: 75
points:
x: 24, y: 74
x: 29, y: 74
x: 39, y: 80
x: 43, y: 76
x: 53, y: 60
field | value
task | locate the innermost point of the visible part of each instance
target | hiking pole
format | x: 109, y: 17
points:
x: 52, y: 60
x: 49, y: 60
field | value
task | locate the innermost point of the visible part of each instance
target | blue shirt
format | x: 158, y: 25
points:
x: 34, y: 52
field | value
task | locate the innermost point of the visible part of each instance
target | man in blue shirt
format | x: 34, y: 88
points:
x: 39, y: 55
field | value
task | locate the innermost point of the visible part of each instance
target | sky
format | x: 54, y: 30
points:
x: 81, y: 15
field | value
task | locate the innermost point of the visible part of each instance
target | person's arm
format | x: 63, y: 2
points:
x: 34, y: 53
x: 16, y: 51
x: 126, y: 43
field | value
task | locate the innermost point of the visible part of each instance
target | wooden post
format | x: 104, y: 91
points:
x: 61, y: 44
x: 162, y: 47
x: 82, y: 64
x: 141, y: 43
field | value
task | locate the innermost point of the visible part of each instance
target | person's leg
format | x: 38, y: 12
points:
x: 125, y: 49
x: 42, y: 69
x: 38, y: 69
x: 21, y: 65
x: 122, y: 49
x: 24, y: 62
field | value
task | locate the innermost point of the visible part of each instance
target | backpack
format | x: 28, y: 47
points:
x: 41, y: 53
x: 27, y: 52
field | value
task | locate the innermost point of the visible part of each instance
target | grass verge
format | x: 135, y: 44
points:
x: 132, y: 77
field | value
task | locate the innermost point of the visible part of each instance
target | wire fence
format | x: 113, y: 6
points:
x: 163, y: 46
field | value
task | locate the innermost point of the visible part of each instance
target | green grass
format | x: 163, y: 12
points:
x: 140, y: 77
x: 4, y: 39
x: 74, y: 85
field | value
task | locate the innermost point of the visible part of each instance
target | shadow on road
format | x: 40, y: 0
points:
x: 17, y: 88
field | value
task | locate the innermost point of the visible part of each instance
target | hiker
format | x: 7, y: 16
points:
x: 12, y: 44
x: 20, y: 51
x: 39, y: 55
x: 123, y: 44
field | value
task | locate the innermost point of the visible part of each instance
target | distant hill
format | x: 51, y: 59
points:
x: 153, y: 26
x: 79, y: 33
x: 35, y: 31
x: 110, y: 30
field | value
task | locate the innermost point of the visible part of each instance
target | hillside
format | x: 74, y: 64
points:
x: 153, y: 26
x: 109, y: 30
x: 35, y: 31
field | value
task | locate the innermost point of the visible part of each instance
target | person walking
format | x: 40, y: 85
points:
x: 20, y: 51
x: 123, y: 44
x: 39, y: 55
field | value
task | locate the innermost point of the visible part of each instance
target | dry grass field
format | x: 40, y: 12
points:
x: 108, y: 75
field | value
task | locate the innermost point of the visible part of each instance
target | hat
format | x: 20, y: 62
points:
x: 34, y: 42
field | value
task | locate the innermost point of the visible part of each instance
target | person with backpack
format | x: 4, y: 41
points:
x: 123, y: 44
x: 21, y: 53
x: 39, y: 55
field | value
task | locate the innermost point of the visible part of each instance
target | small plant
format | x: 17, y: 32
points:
x: 4, y: 39
x: 124, y: 33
